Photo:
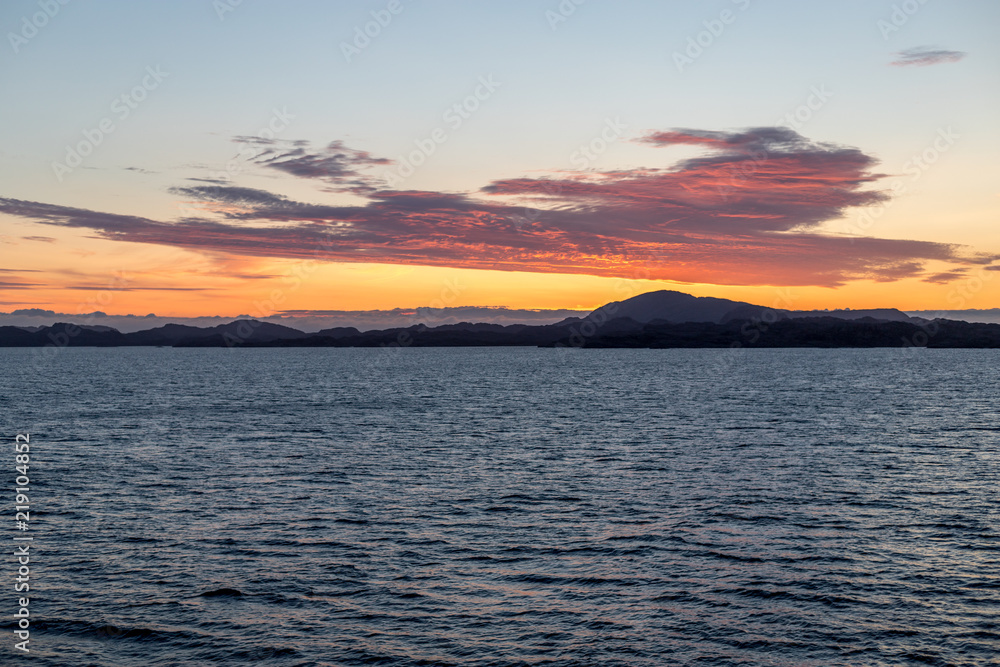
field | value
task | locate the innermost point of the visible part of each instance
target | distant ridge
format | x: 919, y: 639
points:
x: 653, y: 320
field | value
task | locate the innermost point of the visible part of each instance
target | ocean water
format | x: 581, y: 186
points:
x: 506, y: 506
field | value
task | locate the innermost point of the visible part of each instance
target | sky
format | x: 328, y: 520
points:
x: 212, y: 158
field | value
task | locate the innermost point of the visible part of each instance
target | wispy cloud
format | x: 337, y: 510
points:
x: 946, y: 276
x: 922, y: 56
x: 336, y: 164
x: 9, y: 279
x: 751, y: 211
x: 142, y: 288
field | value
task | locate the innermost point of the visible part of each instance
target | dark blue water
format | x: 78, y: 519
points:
x: 508, y: 506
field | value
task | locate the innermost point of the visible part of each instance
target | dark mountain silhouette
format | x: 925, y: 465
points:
x: 799, y: 332
x: 653, y: 320
x: 61, y: 334
x: 336, y: 332
x: 883, y: 314
x: 669, y: 306
x: 677, y: 307
x: 17, y: 337
x: 168, y: 334
x: 233, y: 334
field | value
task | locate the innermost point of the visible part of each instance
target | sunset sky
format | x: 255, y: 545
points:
x: 217, y: 158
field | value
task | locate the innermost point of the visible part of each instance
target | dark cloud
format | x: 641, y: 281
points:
x: 751, y: 139
x: 9, y: 279
x: 922, y: 56
x: 337, y: 165
x: 214, y: 181
x: 945, y: 276
x: 226, y: 194
x: 144, y: 288
x: 750, y: 211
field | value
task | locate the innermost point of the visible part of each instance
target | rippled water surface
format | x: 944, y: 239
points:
x: 508, y: 506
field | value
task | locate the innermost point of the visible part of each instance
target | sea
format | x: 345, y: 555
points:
x: 502, y: 507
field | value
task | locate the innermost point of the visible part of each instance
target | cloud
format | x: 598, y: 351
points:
x: 225, y: 194
x: 748, y: 140
x: 337, y: 165
x: 39, y: 312
x: 763, y: 179
x: 143, y: 288
x: 751, y: 211
x: 9, y: 279
x: 945, y: 276
x: 921, y: 56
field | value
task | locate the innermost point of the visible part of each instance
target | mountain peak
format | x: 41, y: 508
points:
x: 670, y: 306
x: 676, y: 307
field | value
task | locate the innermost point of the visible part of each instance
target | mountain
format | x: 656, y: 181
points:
x: 168, y: 334
x: 336, y: 332
x: 670, y: 306
x: 236, y: 333
x: 882, y: 314
x: 678, y: 307
x: 17, y: 337
x: 61, y: 334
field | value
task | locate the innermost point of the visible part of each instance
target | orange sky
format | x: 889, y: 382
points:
x: 80, y: 274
